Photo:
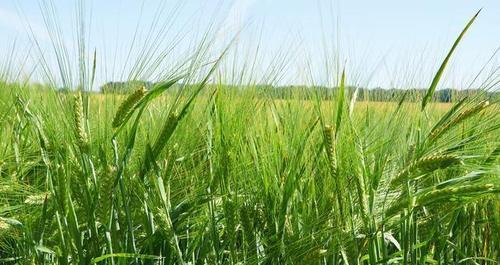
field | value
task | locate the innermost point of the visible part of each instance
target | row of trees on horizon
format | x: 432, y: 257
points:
x: 303, y: 92
x: 324, y: 92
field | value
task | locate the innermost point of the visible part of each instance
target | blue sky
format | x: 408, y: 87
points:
x: 385, y: 43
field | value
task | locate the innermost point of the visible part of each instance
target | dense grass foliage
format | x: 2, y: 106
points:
x: 234, y: 178
x: 194, y: 171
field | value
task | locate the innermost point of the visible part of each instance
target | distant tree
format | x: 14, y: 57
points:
x: 124, y: 87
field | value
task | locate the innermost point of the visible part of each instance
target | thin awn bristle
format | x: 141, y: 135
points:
x: 127, y: 106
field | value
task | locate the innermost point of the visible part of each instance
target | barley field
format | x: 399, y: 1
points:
x: 194, y: 171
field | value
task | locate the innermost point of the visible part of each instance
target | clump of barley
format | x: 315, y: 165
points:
x: 426, y: 164
x: 127, y: 106
x: 37, y: 199
x: 80, y: 133
x: 437, y: 132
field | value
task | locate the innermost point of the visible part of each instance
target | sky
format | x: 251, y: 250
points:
x: 385, y: 43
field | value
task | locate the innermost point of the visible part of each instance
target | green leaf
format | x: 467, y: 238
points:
x: 45, y: 249
x: 340, y: 102
x: 123, y: 255
x: 437, y: 77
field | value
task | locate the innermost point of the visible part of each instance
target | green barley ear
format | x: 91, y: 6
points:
x: 330, y: 148
x: 127, y: 106
x: 329, y: 135
x: 4, y: 226
x: 453, y: 193
x: 80, y: 133
x: 106, y: 192
x: 160, y: 142
x: 37, y: 199
x: 444, y: 195
x: 166, y: 133
x: 434, y: 162
x: 426, y: 164
x: 7, y: 227
x: 438, y: 132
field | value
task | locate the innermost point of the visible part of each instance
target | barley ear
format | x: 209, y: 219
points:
x: 80, y: 133
x: 454, y: 193
x: 4, y: 226
x: 330, y: 148
x: 106, y: 192
x: 426, y: 164
x: 166, y: 133
x: 127, y: 106
x: 443, y: 195
x: 438, y: 132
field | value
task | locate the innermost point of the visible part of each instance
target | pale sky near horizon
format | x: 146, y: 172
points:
x: 389, y: 43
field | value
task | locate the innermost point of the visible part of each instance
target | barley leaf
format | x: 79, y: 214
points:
x: 437, y: 77
x: 340, y: 102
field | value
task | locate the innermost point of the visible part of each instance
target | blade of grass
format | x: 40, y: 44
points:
x: 340, y: 103
x: 430, y: 92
